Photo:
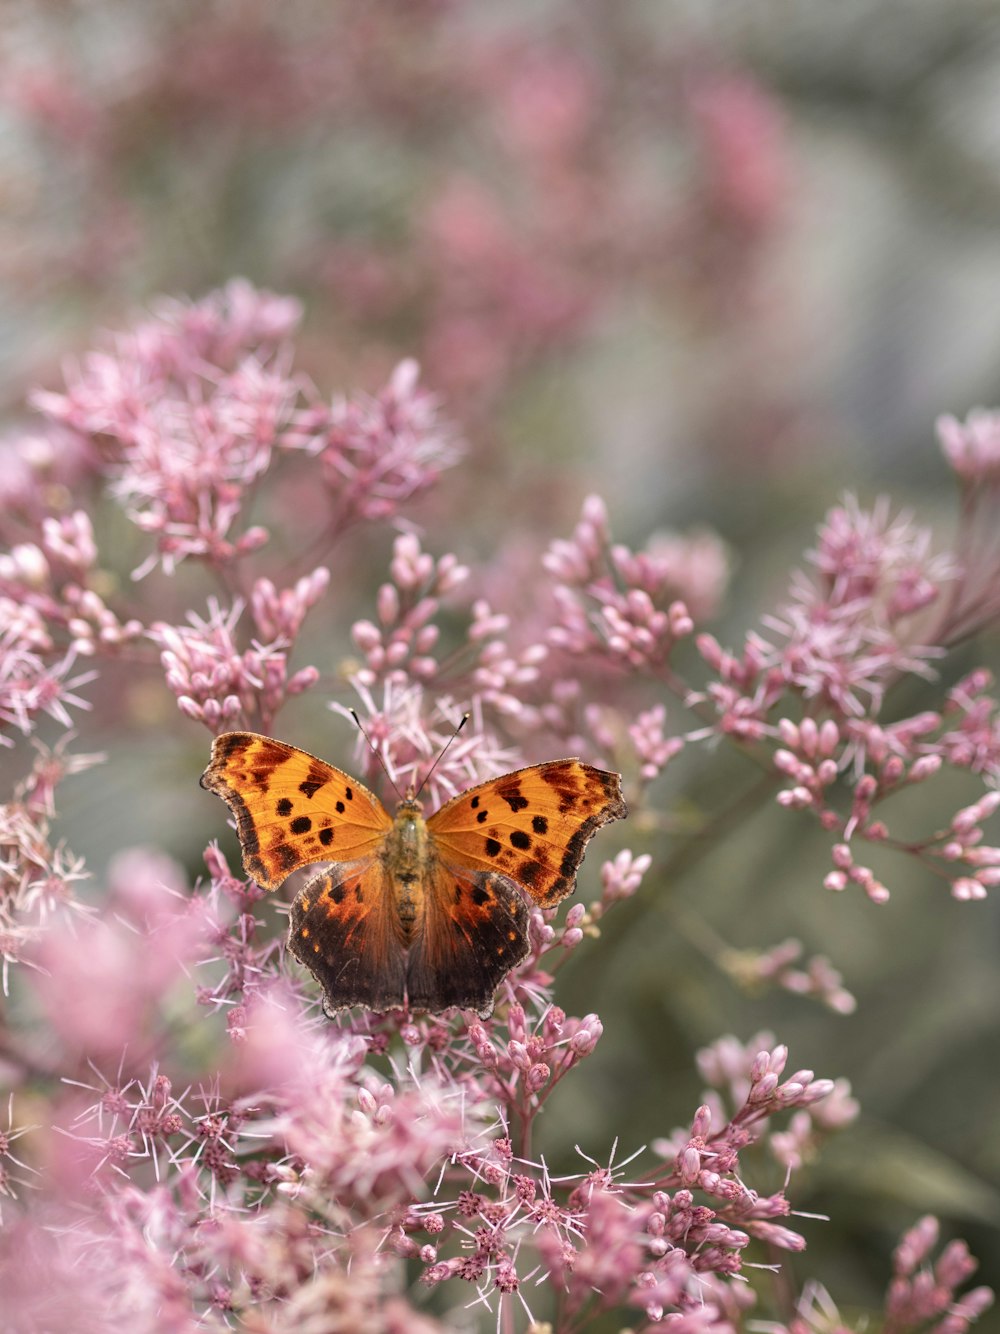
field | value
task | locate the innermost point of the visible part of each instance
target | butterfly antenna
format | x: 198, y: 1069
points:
x: 378, y: 754
x: 444, y: 752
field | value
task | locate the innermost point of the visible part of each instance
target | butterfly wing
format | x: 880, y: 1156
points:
x: 473, y: 929
x: 532, y: 825
x: 291, y: 808
x: 342, y: 926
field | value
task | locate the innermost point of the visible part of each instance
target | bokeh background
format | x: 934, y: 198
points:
x: 720, y: 263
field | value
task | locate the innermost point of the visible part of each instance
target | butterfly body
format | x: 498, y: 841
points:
x: 406, y: 859
x: 407, y: 911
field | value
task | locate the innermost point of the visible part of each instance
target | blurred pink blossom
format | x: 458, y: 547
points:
x: 972, y: 447
x: 102, y: 982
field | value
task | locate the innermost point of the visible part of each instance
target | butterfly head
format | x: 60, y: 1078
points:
x: 409, y: 805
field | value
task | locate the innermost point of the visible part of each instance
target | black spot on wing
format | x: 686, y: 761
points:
x: 539, y: 824
x: 313, y: 781
x: 284, y: 807
x: 301, y: 824
x: 285, y: 855
x: 519, y: 839
x: 528, y: 872
x: 492, y: 847
x: 326, y: 836
x: 512, y: 796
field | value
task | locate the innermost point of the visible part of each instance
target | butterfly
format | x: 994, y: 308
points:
x: 425, y: 914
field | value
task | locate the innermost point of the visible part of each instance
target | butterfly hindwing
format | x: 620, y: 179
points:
x: 342, y: 927
x: 291, y: 808
x: 471, y: 931
x: 532, y: 825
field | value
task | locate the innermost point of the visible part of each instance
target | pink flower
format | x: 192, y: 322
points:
x: 377, y: 453
x: 818, y: 978
x: 102, y: 981
x: 222, y: 687
x: 30, y: 686
x: 409, y: 742
x: 630, y: 607
x: 547, y: 101
x: 194, y: 401
x: 622, y: 877
x: 972, y: 447
x: 744, y: 145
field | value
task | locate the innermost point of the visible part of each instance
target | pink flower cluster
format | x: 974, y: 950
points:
x: 631, y: 608
x: 400, y: 645
x: 776, y: 966
x: 845, y: 634
x: 222, y: 687
x: 193, y: 1144
x: 972, y: 447
x: 378, y: 453
x: 37, y: 875
x: 193, y: 403
x: 922, y: 1295
x: 807, y: 702
x: 299, y: 1124
x: 608, y: 1235
x: 51, y: 615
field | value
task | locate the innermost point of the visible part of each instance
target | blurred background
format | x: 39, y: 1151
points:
x: 720, y: 263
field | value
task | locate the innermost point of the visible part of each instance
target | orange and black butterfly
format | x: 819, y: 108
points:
x: 427, y: 914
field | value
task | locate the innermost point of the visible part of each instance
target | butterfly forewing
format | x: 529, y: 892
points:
x: 532, y: 825
x: 291, y: 808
